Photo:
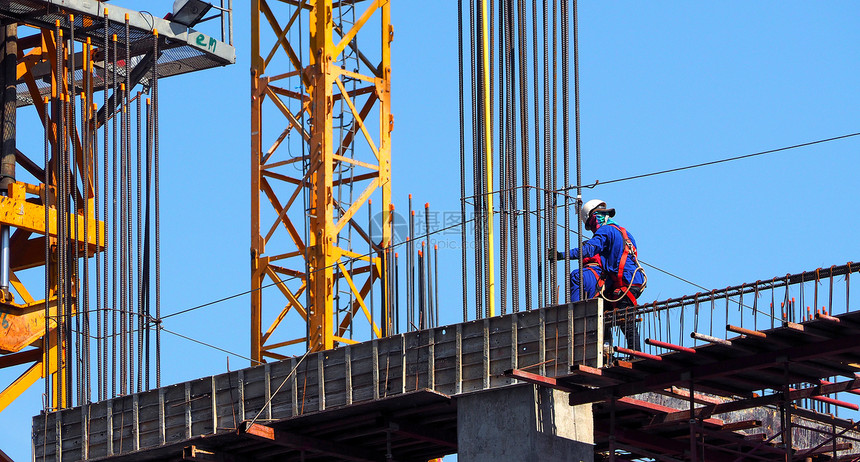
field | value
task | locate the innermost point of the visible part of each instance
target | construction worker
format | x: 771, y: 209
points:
x: 625, y: 278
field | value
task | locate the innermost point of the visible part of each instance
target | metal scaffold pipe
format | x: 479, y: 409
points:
x: 8, y: 66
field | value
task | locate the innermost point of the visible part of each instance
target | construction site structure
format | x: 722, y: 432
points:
x: 750, y: 392
x: 79, y: 232
x: 746, y: 382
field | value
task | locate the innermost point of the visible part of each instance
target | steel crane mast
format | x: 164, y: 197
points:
x: 302, y: 242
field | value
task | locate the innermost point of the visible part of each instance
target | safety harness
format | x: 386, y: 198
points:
x: 618, y: 278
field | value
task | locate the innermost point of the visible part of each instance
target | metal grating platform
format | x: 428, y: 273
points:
x: 181, y: 48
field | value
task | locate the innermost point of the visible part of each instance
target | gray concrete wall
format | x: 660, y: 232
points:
x: 523, y: 423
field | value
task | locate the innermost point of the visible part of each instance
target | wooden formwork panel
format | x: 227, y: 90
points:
x: 452, y: 360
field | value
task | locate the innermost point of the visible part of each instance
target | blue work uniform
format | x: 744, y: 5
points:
x: 608, y: 242
x: 589, y: 281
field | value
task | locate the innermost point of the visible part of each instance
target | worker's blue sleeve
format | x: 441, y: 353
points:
x: 596, y: 245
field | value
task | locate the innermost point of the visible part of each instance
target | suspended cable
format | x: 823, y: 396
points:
x: 207, y: 344
x: 729, y: 159
x: 713, y: 162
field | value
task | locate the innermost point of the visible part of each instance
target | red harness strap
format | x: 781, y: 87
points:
x: 597, y: 277
x: 629, y: 249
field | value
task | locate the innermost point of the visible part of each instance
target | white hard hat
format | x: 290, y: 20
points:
x: 591, y: 206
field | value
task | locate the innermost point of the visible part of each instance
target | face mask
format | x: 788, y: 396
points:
x: 592, y: 223
x: 603, y: 219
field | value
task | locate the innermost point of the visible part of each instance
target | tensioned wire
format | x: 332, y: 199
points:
x: 538, y: 210
x: 672, y: 170
x: 191, y: 339
x: 281, y: 281
x: 291, y: 278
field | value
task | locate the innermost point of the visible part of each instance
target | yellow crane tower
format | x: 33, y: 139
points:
x: 321, y: 74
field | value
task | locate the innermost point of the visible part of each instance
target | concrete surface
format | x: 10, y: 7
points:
x: 523, y: 423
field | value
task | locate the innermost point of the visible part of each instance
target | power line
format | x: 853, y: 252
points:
x: 207, y: 344
x: 673, y: 275
x: 713, y: 162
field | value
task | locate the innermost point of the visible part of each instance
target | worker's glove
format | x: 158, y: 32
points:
x: 558, y: 255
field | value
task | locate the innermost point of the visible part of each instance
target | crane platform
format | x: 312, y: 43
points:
x: 182, y: 49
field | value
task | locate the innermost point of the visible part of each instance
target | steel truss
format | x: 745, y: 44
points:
x: 301, y: 242
x: 54, y: 60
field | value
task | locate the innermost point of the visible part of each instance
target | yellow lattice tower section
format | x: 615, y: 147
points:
x: 309, y: 238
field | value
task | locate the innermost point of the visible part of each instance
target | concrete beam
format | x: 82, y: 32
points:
x: 523, y: 423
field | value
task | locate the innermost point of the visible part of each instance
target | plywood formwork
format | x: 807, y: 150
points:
x: 448, y: 360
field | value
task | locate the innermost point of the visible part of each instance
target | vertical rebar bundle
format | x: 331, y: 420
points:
x: 533, y: 214
x: 95, y: 207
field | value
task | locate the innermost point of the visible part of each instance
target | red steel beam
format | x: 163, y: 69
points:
x: 730, y: 366
x: 594, y: 373
x: 660, y: 409
x: 638, y: 354
x: 669, y: 346
x: 835, y: 402
x: 536, y: 379
x: 855, y: 391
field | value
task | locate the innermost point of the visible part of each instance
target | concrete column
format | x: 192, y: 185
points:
x: 523, y: 423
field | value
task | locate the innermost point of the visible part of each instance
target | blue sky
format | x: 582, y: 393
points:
x: 663, y: 84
